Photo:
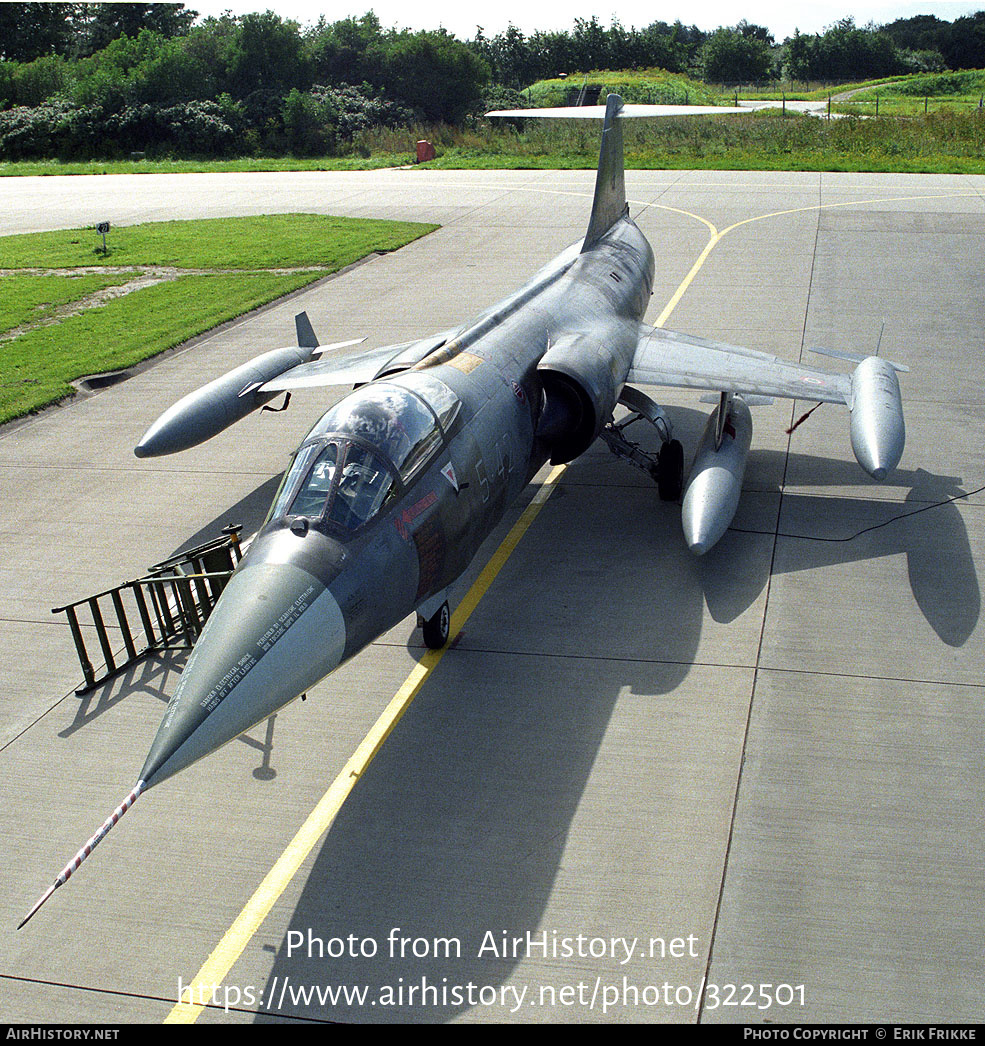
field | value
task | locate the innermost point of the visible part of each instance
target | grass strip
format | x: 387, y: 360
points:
x: 37, y: 368
x: 262, y: 242
x: 31, y: 299
x: 946, y: 142
x: 241, y: 165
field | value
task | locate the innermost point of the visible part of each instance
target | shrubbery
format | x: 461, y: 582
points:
x: 68, y: 131
x: 106, y: 80
x: 249, y: 84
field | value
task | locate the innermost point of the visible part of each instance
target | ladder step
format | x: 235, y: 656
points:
x: 183, y: 590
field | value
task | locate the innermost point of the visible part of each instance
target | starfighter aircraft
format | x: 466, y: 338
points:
x: 392, y: 492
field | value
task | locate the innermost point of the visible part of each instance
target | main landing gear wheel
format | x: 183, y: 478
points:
x: 437, y: 628
x: 670, y: 470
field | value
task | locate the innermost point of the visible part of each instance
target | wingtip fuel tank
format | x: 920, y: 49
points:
x: 877, y: 429
x: 208, y: 410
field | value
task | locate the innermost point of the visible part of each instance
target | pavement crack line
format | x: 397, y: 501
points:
x: 706, y: 979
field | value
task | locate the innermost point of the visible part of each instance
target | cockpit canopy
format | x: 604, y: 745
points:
x: 365, y: 449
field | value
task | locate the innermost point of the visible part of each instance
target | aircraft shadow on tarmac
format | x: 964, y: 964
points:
x: 460, y: 824
x: 816, y: 531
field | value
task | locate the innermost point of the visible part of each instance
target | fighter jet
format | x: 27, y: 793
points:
x: 394, y: 489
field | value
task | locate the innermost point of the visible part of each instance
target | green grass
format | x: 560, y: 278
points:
x: 894, y: 105
x: 801, y: 92
x: 37, y: 367
x: 927, y: 93
x: 966, y: 83
x: 55, y: 168
x: 638, y: 86
x: 265, y: 242
x: 29, y: 299
x: 942, y: 143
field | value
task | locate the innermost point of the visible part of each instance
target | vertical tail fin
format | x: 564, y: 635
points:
x: 610, y: 182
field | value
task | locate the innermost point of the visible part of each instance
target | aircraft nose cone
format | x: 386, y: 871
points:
x: 275, y: 631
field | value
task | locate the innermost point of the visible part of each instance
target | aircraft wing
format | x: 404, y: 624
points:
x: 665, y: 357
x: 356, y: 368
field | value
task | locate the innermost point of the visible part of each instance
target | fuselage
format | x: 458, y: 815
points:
x: 395, y: 488
x: 485, y: 391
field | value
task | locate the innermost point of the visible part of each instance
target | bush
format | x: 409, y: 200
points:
x: 352, y: 109
x: 435, y: 75
x: 84, y: 132
x: 306, y: 129
x: 33, y: 83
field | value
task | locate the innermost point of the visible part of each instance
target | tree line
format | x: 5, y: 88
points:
x: 744, y: 53
x: 250, y: 84
x: 84, y: 80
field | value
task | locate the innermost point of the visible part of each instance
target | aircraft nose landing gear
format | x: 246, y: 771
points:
x: 436, y: 628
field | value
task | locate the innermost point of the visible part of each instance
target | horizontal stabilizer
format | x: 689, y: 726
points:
x: 597, y: 112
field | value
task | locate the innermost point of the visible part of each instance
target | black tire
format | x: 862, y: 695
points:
x: 437, y: 628
x: 670, y: 470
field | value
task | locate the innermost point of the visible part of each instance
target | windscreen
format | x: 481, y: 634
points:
x: 337, y: 481
x: 348, y: 466
x: 392, y: 419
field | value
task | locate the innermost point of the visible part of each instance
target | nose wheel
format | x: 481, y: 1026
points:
x: 437, y: 628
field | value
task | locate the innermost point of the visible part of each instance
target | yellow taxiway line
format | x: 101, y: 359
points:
x: 196, y: 995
